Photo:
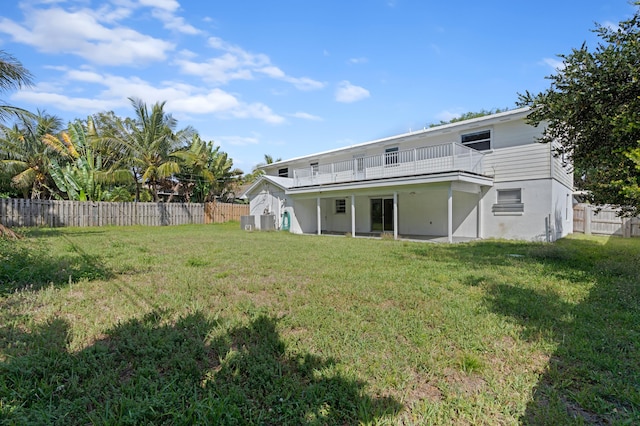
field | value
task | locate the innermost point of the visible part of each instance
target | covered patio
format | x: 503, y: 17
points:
x: 434, y: 207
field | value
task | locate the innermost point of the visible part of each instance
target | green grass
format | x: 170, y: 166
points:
x: 214, y: 325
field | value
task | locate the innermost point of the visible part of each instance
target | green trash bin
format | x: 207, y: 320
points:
x: 286, y: 221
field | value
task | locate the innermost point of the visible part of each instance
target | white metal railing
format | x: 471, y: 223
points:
x: 429, y: 159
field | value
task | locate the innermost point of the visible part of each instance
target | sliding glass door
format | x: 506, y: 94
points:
x: 381, y: 214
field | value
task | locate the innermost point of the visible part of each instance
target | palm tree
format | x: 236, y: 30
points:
x: 148, y: 142
x: 206, y: 172
x: 257, y: 172
x: 268, y: 159
x: 13, y: 76
x: 25, y: 156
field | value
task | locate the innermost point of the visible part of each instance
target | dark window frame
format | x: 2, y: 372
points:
x: 480, y: 140
x: 391, y: 155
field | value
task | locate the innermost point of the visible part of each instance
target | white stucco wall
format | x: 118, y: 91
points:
x: 269, y: 199
x: 528, y: 225
x: 465, y: 218
x: 424, y: 212
x: 303, y: 216
x: 562, y: 207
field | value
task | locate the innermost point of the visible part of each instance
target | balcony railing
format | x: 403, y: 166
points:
x: 430, y: 159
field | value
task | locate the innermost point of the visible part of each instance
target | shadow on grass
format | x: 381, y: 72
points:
x: 593, y: 377
x: 27, y: 264
x: 150, y: 371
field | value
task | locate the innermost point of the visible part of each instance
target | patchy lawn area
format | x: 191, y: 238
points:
x: 214, y: 325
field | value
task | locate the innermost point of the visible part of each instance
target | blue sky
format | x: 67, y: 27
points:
x: 292, y: 77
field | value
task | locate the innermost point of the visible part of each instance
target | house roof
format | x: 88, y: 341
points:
x: 281, y: 182
x: 471, y: 123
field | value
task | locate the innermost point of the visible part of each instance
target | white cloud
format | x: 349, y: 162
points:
x: 239, y: 140
x: 168, y: 5
x: 236, y: 63
x: 174, y: 23
x: 348, y: 92
x: 304, y: 83
x: 358, y: 60
x: 556, y: 64
x: 612, y: 26
x: 447, y: 115
x: 259, y: 111
x: 67, y: 103
x: 214, y: 101
x: 180, y: 97
x: 81, y: 33
x: 306, y: 116
x: 220, y: 70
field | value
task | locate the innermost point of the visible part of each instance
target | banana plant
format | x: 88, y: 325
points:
x: 82, y: 178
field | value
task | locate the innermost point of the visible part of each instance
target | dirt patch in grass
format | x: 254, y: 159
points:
x: 468, y: 384
x: 423, y: 390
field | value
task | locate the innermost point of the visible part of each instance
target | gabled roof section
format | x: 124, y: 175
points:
x: 281, y: 182
x: 472, y: 123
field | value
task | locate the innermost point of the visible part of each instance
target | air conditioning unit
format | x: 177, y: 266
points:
x: 268, y: 222
x: 248, y: 223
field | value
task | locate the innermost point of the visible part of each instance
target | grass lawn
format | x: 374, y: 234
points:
x: 213, y: 325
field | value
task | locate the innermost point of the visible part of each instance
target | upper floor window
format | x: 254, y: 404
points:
x: 480, y: 141
x: 391, y: 156
x: 283, y: 172
x: 314, y: 167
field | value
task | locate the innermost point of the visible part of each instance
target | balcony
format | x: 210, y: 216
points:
x: 431, y: 159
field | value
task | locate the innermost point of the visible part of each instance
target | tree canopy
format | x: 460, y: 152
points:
x: 469, y: 115
x: 592, y: 115
x: 108, y: 158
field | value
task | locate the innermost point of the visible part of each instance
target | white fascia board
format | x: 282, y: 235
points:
x: 271, y: 179
x: 384, y: 183
x: 486, y: 120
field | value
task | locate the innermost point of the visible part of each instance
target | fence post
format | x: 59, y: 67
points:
x: 588, y: 214
x: 626, y: 227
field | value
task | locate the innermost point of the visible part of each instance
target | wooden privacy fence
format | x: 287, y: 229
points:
x: 54, y: 213
x: 605, y: 222
x: 224, y: 212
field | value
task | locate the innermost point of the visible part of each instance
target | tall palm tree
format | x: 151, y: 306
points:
x: 257, y: 172
x: 25, y: 156
x: 13, y: 76
x: 149, y: 141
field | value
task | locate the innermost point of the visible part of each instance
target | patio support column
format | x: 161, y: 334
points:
x: 450, y: 214
x: 319, y: 215
x: 479, y: 215
x: 395, y: 215
x: 353, y: 216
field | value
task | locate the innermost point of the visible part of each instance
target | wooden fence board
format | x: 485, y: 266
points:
x: 587, y: 220
x: 60, y: 213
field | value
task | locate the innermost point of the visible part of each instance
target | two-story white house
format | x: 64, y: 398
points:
x: 485, y: 177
